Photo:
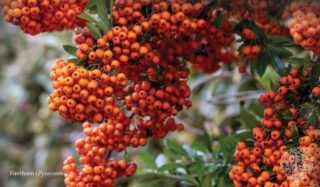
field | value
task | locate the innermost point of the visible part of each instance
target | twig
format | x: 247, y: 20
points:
x: 204, y: 79
x: 235, y: 97
x: 108, y: 155
x: 189, y: 128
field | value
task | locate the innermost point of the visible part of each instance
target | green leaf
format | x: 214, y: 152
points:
x: 172, y: 183
x: 79, y: 29
x: 280, y: 51
x: 198, y: 146
x: 314, y: 75
x: 94, y: 31
x: 91, y: 4
x: 208, y: 141
x: 207, y: 181
x: 295, y: 134
x: 150, y: 183
x: 295, y: 60
x: 111, y: 11
x: 104, y: 26
x: 177, y: 148
x: 72, y: 50
x: 87, y: 17
x: 278, y: 65
x: 169, y: 153
x: 249, y: 119
x: 258, y: 31
x: 278, y: 38
x: 73, y: 60
x: 262, y: 63
x: 228, y: 144
x: 102, y: 11
x: 281, y: 41
x: 148, y: 173
x: 258, y: 109
x: 170, y: 166
x: 147, y: 159
x: 190, y: 178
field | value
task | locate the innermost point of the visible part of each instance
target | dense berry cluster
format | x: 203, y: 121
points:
x: 305, y: 26
x: 183, y: 31
x: 37, y: 16
x: 263, y: 13
x: 95, y: 151
x: 270, y: 162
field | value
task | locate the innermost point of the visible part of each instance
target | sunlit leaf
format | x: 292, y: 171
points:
x: 147, y: 159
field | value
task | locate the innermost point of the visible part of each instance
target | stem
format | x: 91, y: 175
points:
x: 234, y: 98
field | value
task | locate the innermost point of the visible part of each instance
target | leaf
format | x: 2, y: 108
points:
x: 104, y: 26
x: 295, y: 60
x: 111, y: 11
x: 171, y: 183
x: 207, y: 181
x: 147, y: 159
x: 278, y: 38
x: 103, y: 12
x: 262, y: 63
x: 170, y: 166
x: 72, y: 50
x: 314, y: 76
x: 278, y: 65
x: 295, y: 134
x: 228, y: 144
x: 258, y: 31
x: 177, y: 148
x: 280, y: 51
x: 79, y: 29
x: 150, y: 183
x: 258, y: 109
x: 87, y: 17
x: 208, y: 141
x: 91, y: 4
x: 171, y: 154
x: 190, y: 178
x: 244, y: 135
x: 281, y: 41
x: 249, y: 120
x: 73, y: 60
x: 198, y: 146
x: 94, y: 31
x: 148, y: 173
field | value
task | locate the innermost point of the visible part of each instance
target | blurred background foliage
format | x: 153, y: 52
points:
x: 34, y: 138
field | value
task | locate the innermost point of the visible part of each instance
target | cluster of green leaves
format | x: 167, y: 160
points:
x: 201, y: 164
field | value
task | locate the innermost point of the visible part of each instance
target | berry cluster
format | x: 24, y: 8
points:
x: 270, y: 162
x: 82, y: 94
x: 37, y: 16
x: 263, y: 14
x: 304, y: 27
x: 184, y: 30
x: 98, y: 169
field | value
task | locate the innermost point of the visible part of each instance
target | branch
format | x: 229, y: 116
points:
x: 206, y: 78
x: 235, y: 97
x: 189, y: 128
x: 108, y: 155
